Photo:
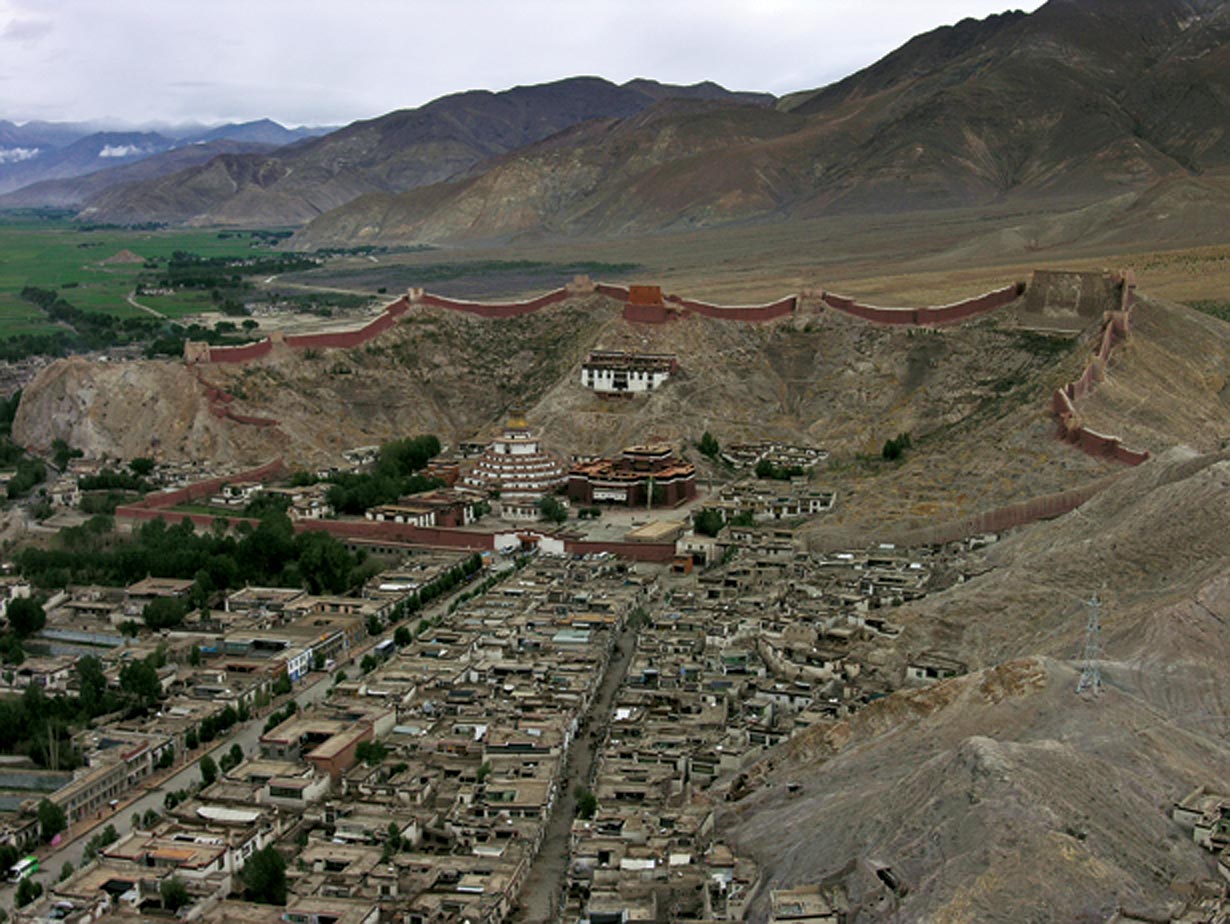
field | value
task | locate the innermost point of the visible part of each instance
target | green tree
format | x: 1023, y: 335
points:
x: 194, y: 656
x: 402, y: 637
x: 264, y: 877
x: 209, y: 770
x: 587, y: 803
x: 552, y: 509
x: 141, y: 466
x: 140, y: 680
x: 62, y: 453
x: 92, y: 685
x: 11, y: 652
x: 324, y: 562
x: 708, y: 522
x: 370, y: 752
x: 174, y: 894
x: 66, y: 870
x: 708, y: 445
x: 368, y: 663
x: 393, y: 837
x: 895, y: 448
x: 27, y: 891
x: 164, y: 613
x: 51, y: 819
x: 25, y: 616
x: 281, y: 686
x: 191, y: 741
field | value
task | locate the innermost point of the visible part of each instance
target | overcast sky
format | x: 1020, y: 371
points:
x: 334, y: 61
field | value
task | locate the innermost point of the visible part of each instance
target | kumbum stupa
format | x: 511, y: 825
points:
x: 515, y: 469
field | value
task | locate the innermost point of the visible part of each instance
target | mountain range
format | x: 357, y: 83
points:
x: 1079, y: 101
x: 35, y: 152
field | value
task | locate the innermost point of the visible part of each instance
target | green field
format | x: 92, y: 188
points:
x: 56, y: 254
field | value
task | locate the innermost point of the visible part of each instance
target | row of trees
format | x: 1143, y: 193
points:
x: 217, y: 560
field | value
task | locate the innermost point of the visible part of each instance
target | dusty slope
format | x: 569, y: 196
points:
x: 1002, y: 796
x: 1165, y: 387
x: 996, y: 797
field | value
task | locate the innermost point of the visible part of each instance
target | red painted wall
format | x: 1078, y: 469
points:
x: 647, y: 314
x: 749, y: 313
x: 931, y: 316
x: 162, y: 499
x: 1115, y: 328
x: 496, y: 309
x: 240, y: 354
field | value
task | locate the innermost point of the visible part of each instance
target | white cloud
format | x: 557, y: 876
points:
x: 121, y: 150
x: 17, y: 155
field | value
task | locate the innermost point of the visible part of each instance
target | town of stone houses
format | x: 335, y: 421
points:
x: 516, y: 716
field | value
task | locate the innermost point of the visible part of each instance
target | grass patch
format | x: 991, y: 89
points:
x: 1038, y: 344
x: 42, y: 248
x: 1215, y: 307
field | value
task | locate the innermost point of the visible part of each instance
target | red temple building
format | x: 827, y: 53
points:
x: 639, y: 475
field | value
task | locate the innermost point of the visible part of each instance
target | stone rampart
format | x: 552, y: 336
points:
x: 1116, y: 325
x: 930, y: 316
x: 748, y: 313
x: 496, y: 309
x: 232, y: 354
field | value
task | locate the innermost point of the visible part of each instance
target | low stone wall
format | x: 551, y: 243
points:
x: 157, y: 505
x: 219, y: 405
x: 1011, y: 516
x: 159, y: 500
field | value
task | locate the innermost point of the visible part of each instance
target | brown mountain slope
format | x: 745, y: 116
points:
x: 392, y: 153
x: 1083, y: 99
x: 1002, y: 796
x: 73, y: 191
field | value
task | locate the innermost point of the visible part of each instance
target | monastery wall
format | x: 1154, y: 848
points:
x: 748, y: 313
x: 496, y: 309
x: 1115, y: 328
x: 931, y: 316
x: 158, y: 500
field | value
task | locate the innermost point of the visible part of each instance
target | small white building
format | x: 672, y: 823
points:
x: 612, y: 372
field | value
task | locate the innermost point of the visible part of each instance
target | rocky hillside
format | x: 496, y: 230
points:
x: 1002, y: 796
x: 1083, y: 99
x: 821, y: 377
